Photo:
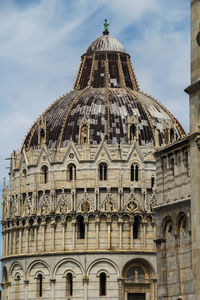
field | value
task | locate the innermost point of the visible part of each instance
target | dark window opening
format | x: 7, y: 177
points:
x: 81, y: 227
x: 39, y: 291
x: 136, y: 226
x: 152, y: 181
x: 69, y: 284
x: 134, y: 173
x: 132, y: 132
x: 44, y: 174
x: 24, y: 173
x: 103, y: 171
x: 42, y: 133
x: 102, y: 283
x: 171, y: 135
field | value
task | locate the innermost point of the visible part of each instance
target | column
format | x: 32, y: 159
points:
x: 52, y: 284
x: 63, y: 235
x: 73, y: 234
x: 120, y: 233
x: 10, y: 241
x: 35, y: 235
x: 86, y: 234
x: 26, y: 282
x: 9, y: 289
x: 7, y: 240
x: 131, y: 234
x: 97, y: 234
x: 3, y: 234
x: 20, y: 239
x: 144, y: 234
x: 14, y: 242
x: 27, y: 238
x: 120, y: 288
x: 43, y: 224
x: 177, y: 243
x: 109, y: 239
x: 53, y: 236
x: 154, y: 235
x: 85, y: 284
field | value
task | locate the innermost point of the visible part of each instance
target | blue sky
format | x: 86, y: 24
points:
x: 42, y: 42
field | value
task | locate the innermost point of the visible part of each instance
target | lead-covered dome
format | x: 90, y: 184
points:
x: 105, y: 104
x: 105, y: 43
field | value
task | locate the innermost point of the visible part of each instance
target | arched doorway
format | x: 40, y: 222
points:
x: 139, y: 281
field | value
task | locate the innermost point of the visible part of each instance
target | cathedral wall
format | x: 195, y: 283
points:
x: 173, y: 223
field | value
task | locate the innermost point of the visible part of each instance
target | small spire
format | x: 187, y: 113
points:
x: 106, y: 32
x: 4, y: 183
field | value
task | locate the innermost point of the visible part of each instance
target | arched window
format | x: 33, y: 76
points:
x: 72, y: 172
x: 42, y: 133
x: 134, y: 172
x: 132, y: 132
x: 136, y: 274
x: 171, y: 135
x: 103, y: 171
x: 80, y: 227
x: 4, y: 275
x: 136, y: 226
x: 39, y: 285
x: 69, y: 284
x: 44, y: 175
x: 102, y: 284
x: 24, y: 173
x: 84, y: 134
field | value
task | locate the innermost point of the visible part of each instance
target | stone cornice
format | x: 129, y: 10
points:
x: 178, y: 202
x: 193, y: 88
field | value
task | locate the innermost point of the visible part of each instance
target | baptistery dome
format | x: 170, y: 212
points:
x: 78, y: 219
x: 107, y: 97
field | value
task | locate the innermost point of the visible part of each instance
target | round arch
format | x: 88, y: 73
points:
x: 30, y: 267
x: 64, y: 261
x: 101, y: 260
x: 145, y: 264
x: 4, y: 274
x: 14, y: 264
x: 166, y: 221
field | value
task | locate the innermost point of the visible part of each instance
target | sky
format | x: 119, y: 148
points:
x: 41, y: 43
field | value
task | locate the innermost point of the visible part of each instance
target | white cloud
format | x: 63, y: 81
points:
x: 41, y: 45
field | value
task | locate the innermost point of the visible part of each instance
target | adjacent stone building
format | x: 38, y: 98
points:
x: 178, y: 195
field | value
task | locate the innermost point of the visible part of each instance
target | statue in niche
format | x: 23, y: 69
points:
x: 13, y: 207
x: 44, y: 209
x: 152, y: 202
x: 63, y: 204
x: 63, y: 207
x: 84, y: 134
x: 85, y: 207
x: 109, y: 205
x: 132, y: 206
